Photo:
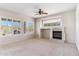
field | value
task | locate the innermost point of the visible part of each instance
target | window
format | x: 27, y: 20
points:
x: 29, y: 26
x: 9, y: 26
x: 14, y: 26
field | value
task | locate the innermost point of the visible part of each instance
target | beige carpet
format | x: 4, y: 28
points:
x: 38, y: 47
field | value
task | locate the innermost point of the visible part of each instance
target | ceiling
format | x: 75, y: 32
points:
x: 29, y: 8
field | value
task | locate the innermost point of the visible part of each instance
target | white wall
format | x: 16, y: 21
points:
x: 68, y: 18
x: 69, y: 23
x: 77, y: 26
x: 13, y: 38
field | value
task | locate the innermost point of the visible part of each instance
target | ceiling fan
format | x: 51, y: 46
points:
x: 40, y: 12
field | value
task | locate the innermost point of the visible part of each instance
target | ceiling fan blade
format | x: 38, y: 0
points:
x: 44, y: 13
x: 36, y: 14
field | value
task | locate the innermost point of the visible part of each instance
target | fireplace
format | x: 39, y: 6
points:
x: 57, y: 35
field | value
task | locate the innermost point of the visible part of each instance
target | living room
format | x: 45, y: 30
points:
x: 39, y: 29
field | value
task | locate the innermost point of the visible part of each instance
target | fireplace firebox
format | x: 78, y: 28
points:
x: 57, y: 35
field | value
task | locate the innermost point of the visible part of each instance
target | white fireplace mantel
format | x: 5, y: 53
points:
x: 55, y: 28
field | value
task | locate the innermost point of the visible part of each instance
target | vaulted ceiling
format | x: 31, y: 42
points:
x: 29, y: 8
